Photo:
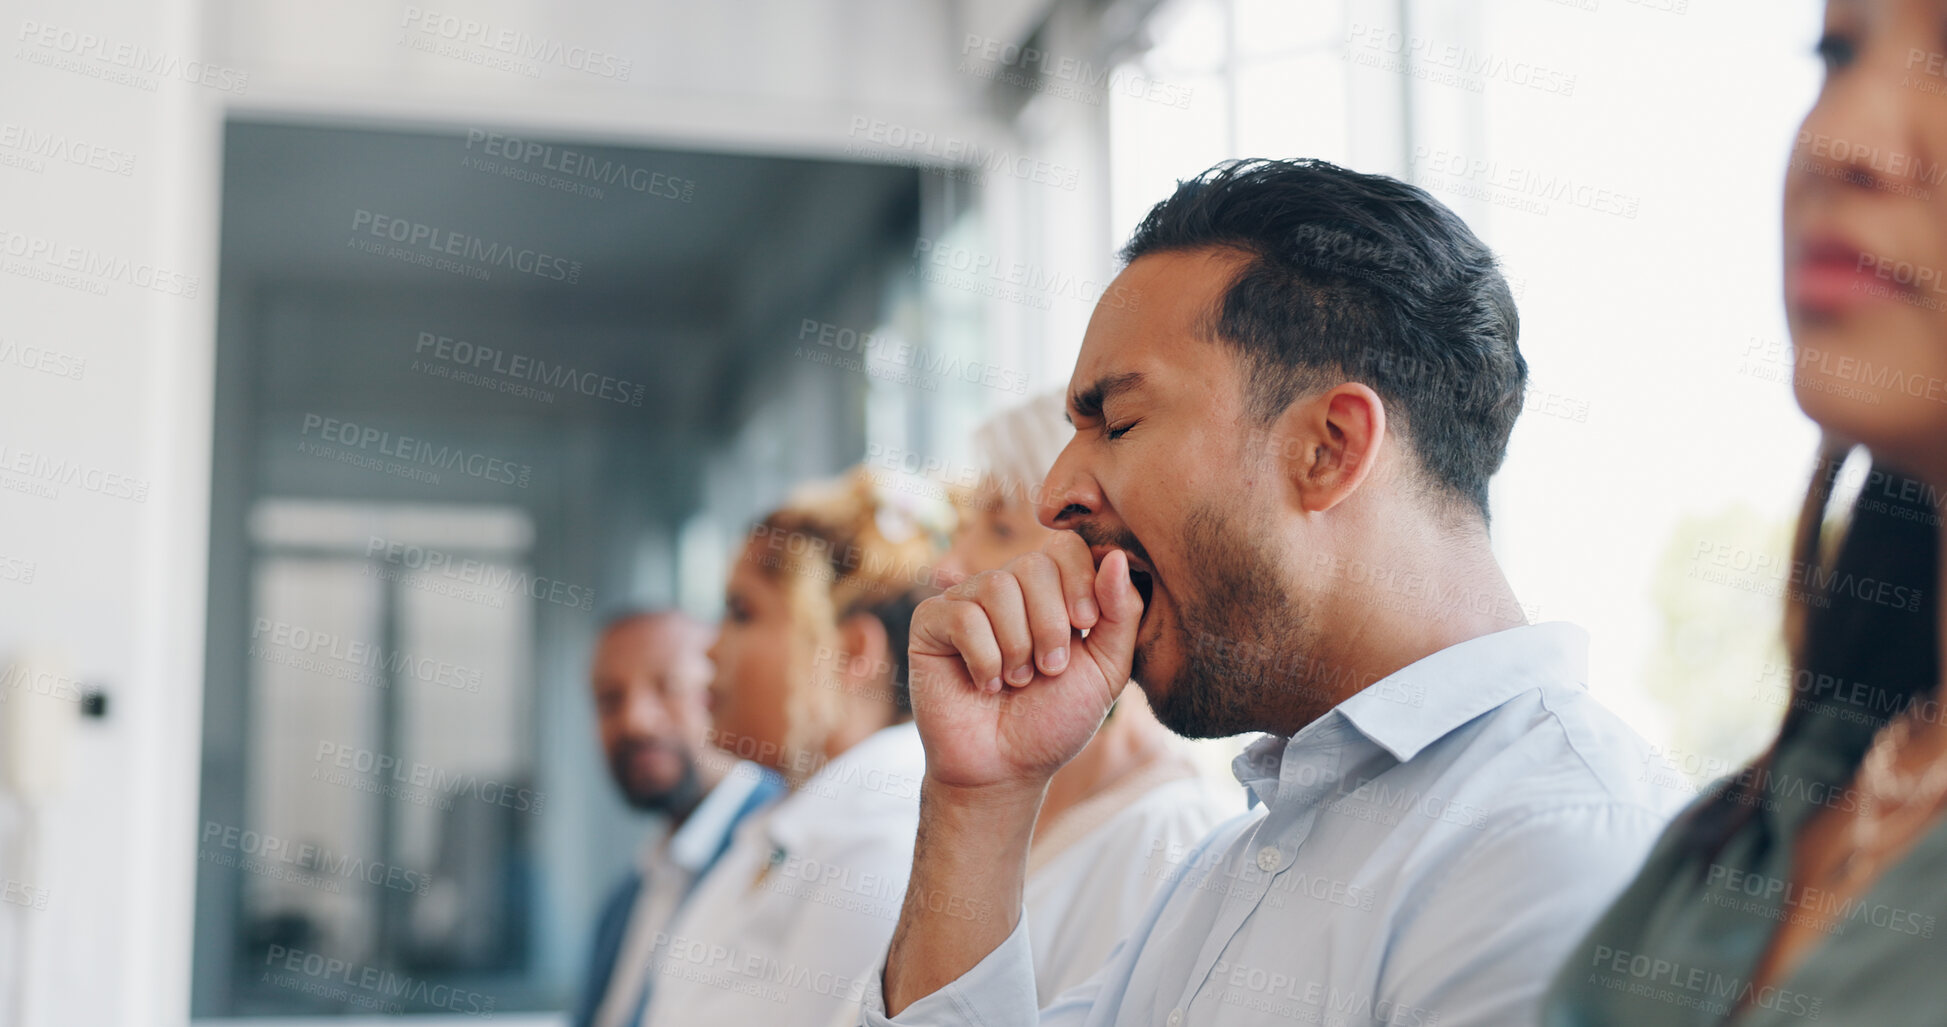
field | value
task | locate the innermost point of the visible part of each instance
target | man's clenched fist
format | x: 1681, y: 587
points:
x: 1021, y: 627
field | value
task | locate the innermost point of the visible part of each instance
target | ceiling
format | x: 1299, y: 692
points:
x: 687, y: 294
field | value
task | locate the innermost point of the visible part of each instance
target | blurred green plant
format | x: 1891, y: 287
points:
x: 1717, y: 669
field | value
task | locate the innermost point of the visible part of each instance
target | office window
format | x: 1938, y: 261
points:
x: 1644, y: 258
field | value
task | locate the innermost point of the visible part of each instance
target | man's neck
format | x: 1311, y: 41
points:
x: 709, y: 774
x: 1391, y: 609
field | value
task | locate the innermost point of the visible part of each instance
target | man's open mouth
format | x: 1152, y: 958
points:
x: 1145, y: 583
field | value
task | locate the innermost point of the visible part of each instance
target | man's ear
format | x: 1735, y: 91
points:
x: 1332, y: 444
x: 865, y: 652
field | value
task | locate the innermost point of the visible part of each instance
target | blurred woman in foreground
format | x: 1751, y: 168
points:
x: 810, y: 682
x: 1812, y: 885
x: 1121, y: 817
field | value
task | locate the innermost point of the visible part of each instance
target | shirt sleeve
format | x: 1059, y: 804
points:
x: 1482, y: 950
x: 997, y: 992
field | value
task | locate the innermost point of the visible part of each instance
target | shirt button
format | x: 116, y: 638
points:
x: 1176, y: 1017
x: 1268, y: 858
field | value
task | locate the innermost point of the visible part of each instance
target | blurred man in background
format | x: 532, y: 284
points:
x: 651, y: 678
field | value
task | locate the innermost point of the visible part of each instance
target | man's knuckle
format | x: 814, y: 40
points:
x: 960, y: 619
x: 992, y: 586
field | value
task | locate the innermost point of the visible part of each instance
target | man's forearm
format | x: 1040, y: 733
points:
x: 971, y: 856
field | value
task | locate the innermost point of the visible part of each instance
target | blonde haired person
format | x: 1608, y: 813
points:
x: 809, y: 682
x: 1120, y: 818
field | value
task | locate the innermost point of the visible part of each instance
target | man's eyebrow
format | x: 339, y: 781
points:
x: 1089, y: 401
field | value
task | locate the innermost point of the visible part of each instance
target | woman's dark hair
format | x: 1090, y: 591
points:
x: 1862, y: 626
x: 1355, y: 277
x: 897, y: 615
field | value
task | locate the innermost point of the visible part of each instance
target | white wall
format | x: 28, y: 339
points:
x: 117, y: 583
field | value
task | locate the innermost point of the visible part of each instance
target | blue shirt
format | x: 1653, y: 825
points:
x: 1424, y: 855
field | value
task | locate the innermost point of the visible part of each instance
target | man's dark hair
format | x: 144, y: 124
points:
x: 1354, y: 277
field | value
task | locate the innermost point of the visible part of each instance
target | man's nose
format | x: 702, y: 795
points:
x: 1068, y: 495
x: 645, y: 714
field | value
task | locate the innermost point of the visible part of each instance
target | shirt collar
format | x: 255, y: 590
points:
x: 695, y: 845
x: 1417, y: 705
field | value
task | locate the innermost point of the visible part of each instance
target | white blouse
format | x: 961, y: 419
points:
x: 1097, y: 865
x: 1092, y: 873
x: 784, y: 928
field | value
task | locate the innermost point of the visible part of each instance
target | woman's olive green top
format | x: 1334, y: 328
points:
x: 1680, y: 945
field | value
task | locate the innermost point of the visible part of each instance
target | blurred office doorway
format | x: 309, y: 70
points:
x: 475, y: 390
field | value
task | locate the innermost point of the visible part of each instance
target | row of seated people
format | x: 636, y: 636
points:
x: 1269, y: 512
x: 779, y: 746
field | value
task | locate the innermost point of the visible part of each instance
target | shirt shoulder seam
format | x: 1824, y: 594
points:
x: 1568, y: 739
x: 1529, y: 818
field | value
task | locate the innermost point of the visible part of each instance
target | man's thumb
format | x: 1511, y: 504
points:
x: 1113, y: 639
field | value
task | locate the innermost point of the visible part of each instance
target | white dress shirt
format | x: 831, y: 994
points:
x: 669, y: 865
x: 782, y: 930
x: 1426, y: 853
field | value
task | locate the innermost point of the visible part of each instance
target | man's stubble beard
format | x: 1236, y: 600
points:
x: 676, y: 800
x: 1241, y: 635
